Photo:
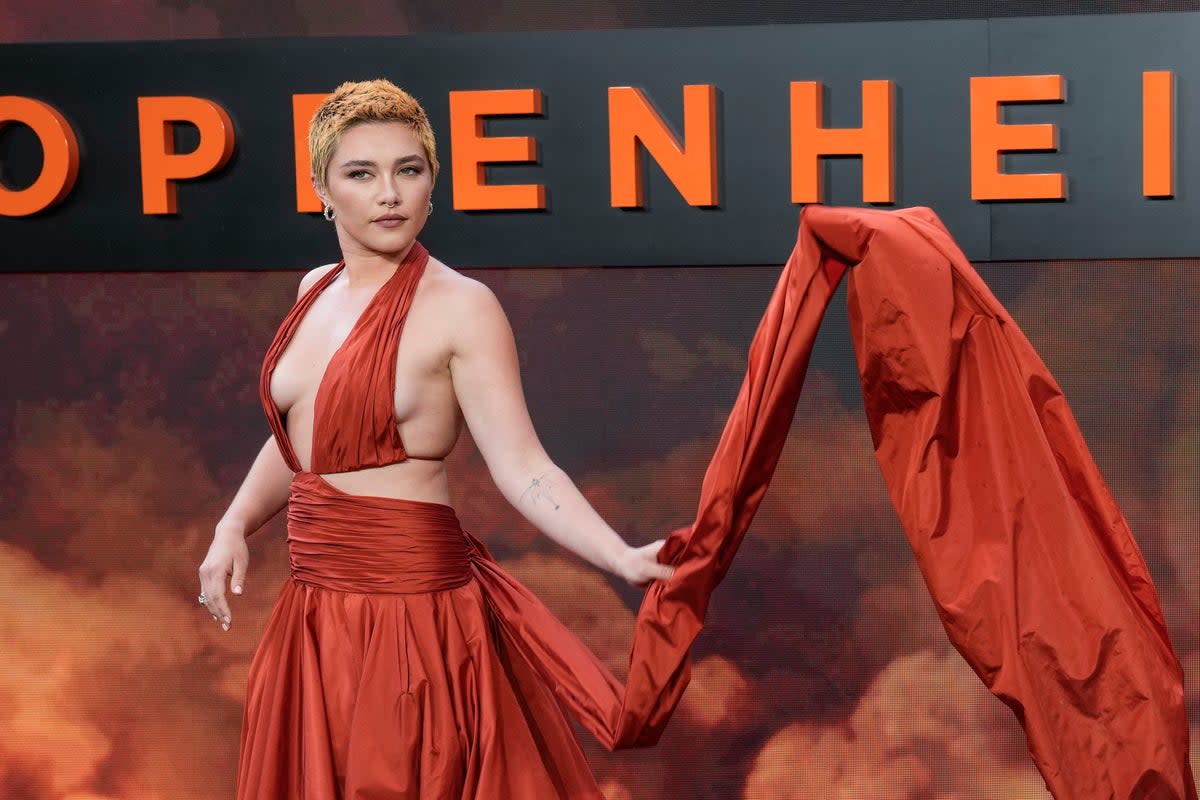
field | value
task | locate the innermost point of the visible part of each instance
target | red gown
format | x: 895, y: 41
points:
x: 379, y: 674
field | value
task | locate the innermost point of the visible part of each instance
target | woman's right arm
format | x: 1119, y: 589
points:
x: 262, y: 494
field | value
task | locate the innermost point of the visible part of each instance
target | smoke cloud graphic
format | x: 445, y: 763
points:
x: 129, y: 417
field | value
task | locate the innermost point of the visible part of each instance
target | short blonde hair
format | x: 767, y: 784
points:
x: 354, y: 103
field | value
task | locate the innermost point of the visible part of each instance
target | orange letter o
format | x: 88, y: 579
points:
x: 60, y: 159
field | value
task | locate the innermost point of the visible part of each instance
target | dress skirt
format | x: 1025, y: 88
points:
x: 381, y: 675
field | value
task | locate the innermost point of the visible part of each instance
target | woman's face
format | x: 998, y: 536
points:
x: 378, y: 184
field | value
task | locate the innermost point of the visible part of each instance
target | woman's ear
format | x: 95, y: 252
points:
x: 319, y: 190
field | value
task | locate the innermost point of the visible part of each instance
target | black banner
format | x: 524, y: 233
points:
x: 244, y: 215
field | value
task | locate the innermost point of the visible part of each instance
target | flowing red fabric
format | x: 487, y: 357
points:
x: 1033, y: 569
x: 1032, y: 566
x: 673, y: 611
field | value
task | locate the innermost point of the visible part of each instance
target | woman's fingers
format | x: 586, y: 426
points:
x: 239, y: 575
x: 227, y: 561
x: 217, y: 605
x: 214, y: 601
x: 212, y: 584
x: 661, y: 572
x: 645, y: 566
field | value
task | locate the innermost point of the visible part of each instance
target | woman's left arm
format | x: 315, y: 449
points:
x: 487, y: 383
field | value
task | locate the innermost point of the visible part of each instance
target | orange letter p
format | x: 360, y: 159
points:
x: 161, y: 165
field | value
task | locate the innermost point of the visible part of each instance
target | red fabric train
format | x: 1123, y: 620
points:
x: 1032, y: 567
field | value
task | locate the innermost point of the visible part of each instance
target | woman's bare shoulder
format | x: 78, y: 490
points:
x: 468, y: 312
x: 312, y: 276
x: 450, y: 287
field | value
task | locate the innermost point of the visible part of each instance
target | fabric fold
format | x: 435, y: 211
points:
x: 672, y: 612
x: 1035, y: 574
x: 379, y: 673
x: 1033, y: 568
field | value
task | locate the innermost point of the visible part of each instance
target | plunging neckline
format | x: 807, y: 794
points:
x: 319, y: 289
x: 299, y: 313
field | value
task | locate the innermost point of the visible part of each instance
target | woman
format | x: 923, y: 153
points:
x: 379, y: 674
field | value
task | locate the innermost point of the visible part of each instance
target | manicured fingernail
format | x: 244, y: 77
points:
x: 228, y: 620
x: 237, y: 590
x: 225, y: 626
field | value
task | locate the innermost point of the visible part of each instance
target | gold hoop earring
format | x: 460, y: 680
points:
x: 329, y: 213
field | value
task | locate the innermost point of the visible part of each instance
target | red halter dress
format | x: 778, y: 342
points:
x: 379, y: 675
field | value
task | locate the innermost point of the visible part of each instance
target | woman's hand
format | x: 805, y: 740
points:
x: 228, y: 556
x: 639, y: 565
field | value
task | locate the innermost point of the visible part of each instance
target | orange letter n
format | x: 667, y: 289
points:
x: 161, y: 165
x: 692, y: 167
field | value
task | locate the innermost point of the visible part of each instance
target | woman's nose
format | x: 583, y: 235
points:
x: 389, y: 192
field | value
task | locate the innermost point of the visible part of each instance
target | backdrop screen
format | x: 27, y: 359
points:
x: 128, y: 416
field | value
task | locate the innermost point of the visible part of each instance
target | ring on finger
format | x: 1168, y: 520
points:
x: 202, y: 599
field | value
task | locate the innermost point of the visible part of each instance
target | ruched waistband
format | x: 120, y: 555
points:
x: 380, y: 545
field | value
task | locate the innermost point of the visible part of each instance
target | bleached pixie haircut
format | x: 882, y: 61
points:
x: 357, y: 102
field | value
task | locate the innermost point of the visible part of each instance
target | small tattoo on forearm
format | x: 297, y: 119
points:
x: 539, y: 489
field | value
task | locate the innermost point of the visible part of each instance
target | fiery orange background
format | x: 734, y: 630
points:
x: 128, y: 415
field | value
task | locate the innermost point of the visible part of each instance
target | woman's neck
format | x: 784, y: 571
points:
x: 370, y: 268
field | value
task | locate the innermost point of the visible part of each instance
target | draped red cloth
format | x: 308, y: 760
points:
x: 1033, y: 569
x: 673, y: 611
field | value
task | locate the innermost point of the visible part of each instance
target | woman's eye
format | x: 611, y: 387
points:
x: 358, y: 173
x: 410, y: 170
